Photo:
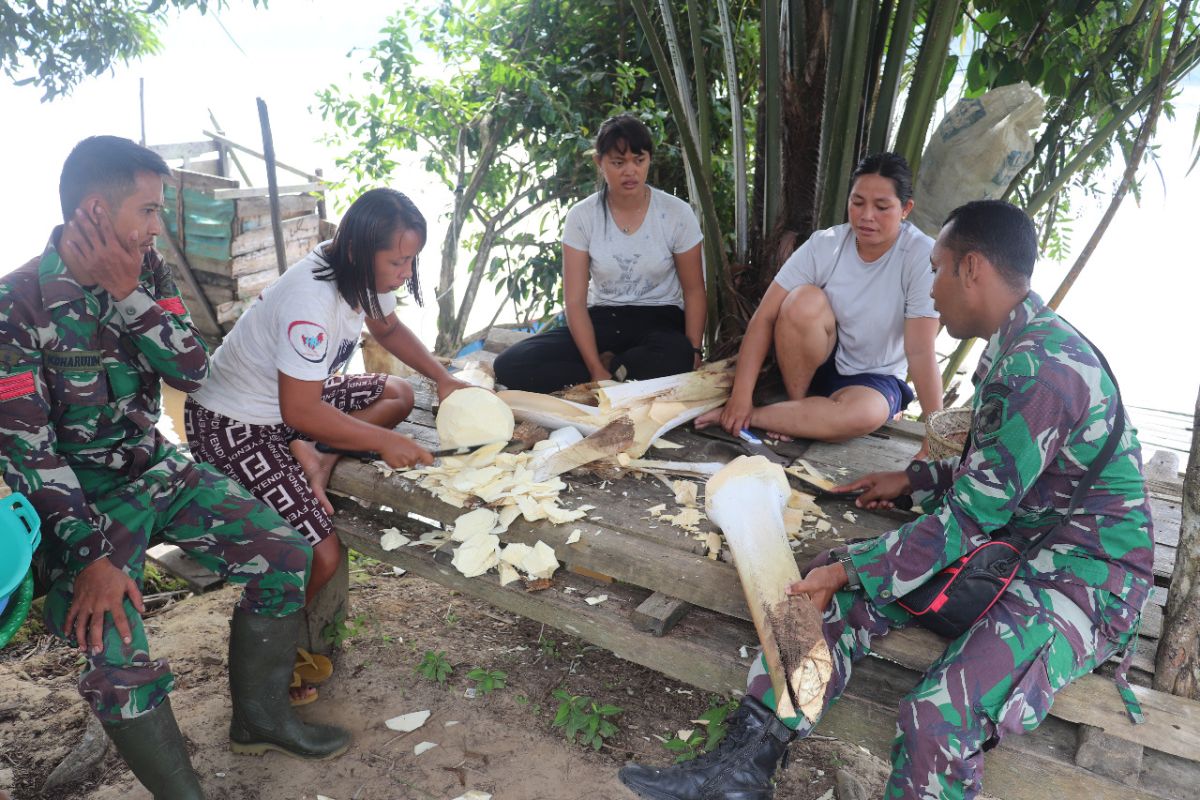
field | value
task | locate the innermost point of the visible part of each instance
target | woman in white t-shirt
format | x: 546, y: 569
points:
x: 274, y: 384
x: 633, y: 286
x: 849, y: 314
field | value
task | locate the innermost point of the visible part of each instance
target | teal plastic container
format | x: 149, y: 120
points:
x: 20, y: 534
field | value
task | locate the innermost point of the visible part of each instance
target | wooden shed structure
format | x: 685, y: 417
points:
x: 220, y: 237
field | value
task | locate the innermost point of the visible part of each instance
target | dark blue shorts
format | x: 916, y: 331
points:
x: 827, y: 380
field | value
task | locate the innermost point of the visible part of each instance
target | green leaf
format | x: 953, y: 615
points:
x: 986, y: 20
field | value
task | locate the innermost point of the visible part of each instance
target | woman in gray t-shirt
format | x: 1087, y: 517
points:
x: 849, y: 314
x: 633, y: 285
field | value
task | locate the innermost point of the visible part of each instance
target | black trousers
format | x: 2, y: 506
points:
x: 647, y: 340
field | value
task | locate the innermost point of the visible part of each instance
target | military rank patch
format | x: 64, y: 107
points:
x: 18, y: 385
x: 172, y: 304
x: 993, y: 411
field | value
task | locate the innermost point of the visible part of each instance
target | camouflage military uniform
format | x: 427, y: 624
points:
x: 1043, y: 408
x: 79, y: 399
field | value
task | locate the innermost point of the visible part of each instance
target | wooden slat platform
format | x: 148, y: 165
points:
x: 647, y: 556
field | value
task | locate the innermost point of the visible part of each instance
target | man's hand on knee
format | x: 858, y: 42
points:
x: 101, y: 589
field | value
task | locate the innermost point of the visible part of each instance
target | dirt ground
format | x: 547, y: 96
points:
x: 502, y: 743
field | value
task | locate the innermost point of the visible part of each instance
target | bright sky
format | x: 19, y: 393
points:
x: 1136, y: 299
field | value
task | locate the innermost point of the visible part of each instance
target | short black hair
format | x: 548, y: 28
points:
x: 368, y: 227
x: 892, y: 166
x: 108, y: 164
x: 1000, y: 231
x: 624, y: 133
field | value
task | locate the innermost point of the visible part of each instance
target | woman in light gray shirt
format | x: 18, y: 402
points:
x: 848, y: 315
x: 633, y: 285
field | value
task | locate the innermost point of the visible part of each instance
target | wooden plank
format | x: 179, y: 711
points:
x: 261, y: 191
x: 201, y: 181
x: 1172, y: 723
x: 255, y: 212
x: 658, y: 613
x: 234, y: 145
x: 331, y: 604
x: 702, y: 651
x: 256, y: 239
x: 223, y: 289
x: 184, y: 149
x: 714, y: 585
x: 176, y: 562
x: 259, y: 260
x: 1110, y: 756
x: 254, y: 262
x: 694, y: 655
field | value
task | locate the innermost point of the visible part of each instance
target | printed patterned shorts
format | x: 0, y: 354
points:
x: 258, y: 456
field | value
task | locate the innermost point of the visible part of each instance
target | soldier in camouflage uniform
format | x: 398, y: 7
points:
x: 87, y: 331
x: 1043, y: 409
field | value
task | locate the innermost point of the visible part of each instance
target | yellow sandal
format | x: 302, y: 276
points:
x: 312, y: 668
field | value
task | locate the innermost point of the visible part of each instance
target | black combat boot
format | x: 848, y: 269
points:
x: 262, y: 652
x: 740, y: 768
x: 153, y: 748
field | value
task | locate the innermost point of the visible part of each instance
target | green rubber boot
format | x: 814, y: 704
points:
x: 153, y: 748
x: 262, y: 652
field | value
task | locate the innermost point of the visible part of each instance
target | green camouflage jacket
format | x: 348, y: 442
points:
x: 1043, y: 407
x: 79, y: 392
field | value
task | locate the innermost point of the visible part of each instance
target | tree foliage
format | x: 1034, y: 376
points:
x: 506, y: 124
x: 55, y: 45
x: 838, y: 80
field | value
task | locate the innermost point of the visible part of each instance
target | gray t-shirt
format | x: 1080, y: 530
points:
x: 870, y: 300
x: 633, y: 269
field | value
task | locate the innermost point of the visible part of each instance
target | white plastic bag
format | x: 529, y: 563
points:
x: 976, y: 151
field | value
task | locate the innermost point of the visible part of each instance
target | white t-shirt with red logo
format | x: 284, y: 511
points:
x: 299, y: 326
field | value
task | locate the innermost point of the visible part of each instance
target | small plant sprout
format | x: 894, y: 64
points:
x: 435, y: 666
x: 708, y: 733
x: 487, y: 680
x: 582, y: 716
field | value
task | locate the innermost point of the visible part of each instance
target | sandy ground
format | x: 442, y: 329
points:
x: 502, y: 743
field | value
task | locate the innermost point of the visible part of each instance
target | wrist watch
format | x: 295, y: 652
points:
x: 852, y: 579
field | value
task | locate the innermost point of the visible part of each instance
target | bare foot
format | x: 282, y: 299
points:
x: 317, y: 468
x: 708, y: 418
x: 779, y: 437
x: 298, y: 693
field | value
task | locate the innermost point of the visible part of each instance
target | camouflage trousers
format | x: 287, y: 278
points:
x: 220, y: 525
x: 997, y: 679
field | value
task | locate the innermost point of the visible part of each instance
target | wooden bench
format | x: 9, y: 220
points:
x: 656, y: 575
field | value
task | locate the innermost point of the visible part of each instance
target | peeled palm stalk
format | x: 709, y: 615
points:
x: 473, y: 416
x: 747, y: 500
x: 553, y: 412
x: 654, y: 406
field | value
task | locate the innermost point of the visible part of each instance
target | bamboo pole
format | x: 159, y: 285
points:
x: 889, y: 84
x: 703, y: 100
x: 771, y: 33
x: 1177, y: 665
x: 709, y: 221
x: 927, y: 77
x: 846, y: 122
x: 272, y: 186
x: 740, y: 175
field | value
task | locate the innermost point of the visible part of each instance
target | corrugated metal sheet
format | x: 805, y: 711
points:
x: 208, y: 223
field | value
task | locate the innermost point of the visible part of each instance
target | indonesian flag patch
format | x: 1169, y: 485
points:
x: 18, y: 385
x: 173, y: 305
